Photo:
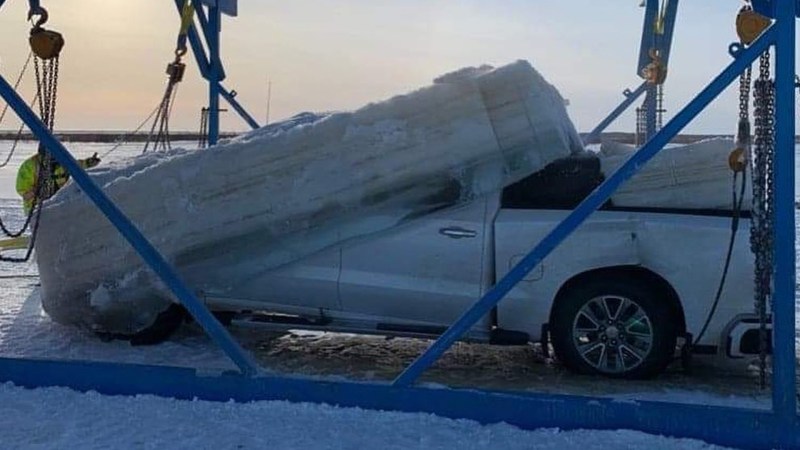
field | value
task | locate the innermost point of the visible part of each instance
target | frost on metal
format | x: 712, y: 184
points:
x: 226, y: 215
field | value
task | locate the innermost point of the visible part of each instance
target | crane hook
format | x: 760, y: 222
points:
x: 43, y: 17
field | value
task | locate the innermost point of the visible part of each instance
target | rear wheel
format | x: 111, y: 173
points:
x: 615, y: 327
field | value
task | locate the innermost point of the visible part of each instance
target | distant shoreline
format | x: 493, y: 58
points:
x: 112, y: 136
x: 105, y: 136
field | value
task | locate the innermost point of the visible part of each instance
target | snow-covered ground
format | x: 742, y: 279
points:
x: 62, y: 419
x: 58, y: 418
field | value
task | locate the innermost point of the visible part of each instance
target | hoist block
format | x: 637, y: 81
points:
x: 750, y: 25
x: 175, y: 71
x: 737, y: 160
x: 46, y: 44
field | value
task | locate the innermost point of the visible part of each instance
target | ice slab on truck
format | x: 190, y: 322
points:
x: 226, y: 215
x: 694, y: 176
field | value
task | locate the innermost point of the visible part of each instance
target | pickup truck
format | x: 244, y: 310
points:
x: 617, y: 298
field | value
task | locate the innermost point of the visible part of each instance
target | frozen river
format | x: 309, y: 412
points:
x: 26, y: 331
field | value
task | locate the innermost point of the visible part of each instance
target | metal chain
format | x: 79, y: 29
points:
x: 47, y: 91
x: 761, y: 232
x: 659, y: 107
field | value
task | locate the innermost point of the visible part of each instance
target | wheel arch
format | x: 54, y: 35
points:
x: 626, y: 272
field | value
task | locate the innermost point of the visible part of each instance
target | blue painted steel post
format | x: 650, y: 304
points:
x: 215, y: 75
x: 784, y: 384
x: 650, y: 113
x: 594, y: 136
x: 128, y: 230
x: 647, y: 42
x: 596, y: 199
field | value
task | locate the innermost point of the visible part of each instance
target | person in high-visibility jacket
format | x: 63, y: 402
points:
x: 28, y: 176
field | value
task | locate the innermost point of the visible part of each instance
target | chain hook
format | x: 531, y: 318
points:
x: 44, y: 16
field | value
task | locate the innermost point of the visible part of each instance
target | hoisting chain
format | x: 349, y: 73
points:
x: 46, y: 47
x: 659, y: 107
x: 761, y: 235
x: 175, y: 71
x: 161, y: 138
x: 18, y: 136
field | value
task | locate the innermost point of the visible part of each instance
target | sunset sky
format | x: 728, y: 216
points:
x: 326, y: 55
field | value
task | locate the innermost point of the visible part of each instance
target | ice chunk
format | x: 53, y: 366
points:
x: 226, y: 215
x: 693, y: 176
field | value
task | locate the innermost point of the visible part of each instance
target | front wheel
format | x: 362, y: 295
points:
x: 619, y: 328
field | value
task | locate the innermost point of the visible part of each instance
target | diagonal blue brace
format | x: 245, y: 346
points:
x: 149, y: 254
x: 211, y: 67
x: 594, y: 136
x: 589, y: 205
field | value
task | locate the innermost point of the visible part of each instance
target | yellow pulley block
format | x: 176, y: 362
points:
x: 737, y: 160
x: 750, y: 25
x: 656, y: 71
x: 46, y: 44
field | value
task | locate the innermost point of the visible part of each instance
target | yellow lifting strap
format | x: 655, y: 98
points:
x: 187, y: 16
x: 187, y: 19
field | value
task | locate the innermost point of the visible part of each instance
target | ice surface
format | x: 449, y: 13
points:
x: 693, y: 176
x: 226, y: 215
x: 60, y: 418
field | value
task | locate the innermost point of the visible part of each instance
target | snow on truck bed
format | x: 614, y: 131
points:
x: 226, y: 215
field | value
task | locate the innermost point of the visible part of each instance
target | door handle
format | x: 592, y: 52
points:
x: 458, y: 233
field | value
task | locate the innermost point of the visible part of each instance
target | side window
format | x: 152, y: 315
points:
x: 563, y: 184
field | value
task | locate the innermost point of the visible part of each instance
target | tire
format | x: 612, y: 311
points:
x: 165, y: 325
x: 616, y: 327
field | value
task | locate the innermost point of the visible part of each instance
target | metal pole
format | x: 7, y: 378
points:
x: 596, y: 199
x: 128, y: 230
x: 215, y: 75
x: 648, y: 41
x: 594, y: 136
x: 650, y: 113
x: 784, y: 388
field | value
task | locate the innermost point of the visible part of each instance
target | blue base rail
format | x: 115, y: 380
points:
x: 740, y: 428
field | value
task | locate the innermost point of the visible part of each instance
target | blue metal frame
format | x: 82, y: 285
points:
x: 746, y: 428
x: 734, y: 427
x: 659, y: 42
x: 211, y: 67
x: 594, y: 136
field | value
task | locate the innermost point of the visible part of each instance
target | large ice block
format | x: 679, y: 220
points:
x: 693, y: 176
x: 226, y: 215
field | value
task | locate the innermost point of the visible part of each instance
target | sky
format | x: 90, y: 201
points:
x: 321, y: 55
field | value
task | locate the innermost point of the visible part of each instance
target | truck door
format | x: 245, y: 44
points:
x: 427, y: 271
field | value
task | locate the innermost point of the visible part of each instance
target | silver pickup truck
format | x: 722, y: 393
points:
x: 617, y: 298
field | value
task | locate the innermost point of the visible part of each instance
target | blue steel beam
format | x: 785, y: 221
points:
x: 206, y: 29
x: 594, y: 136
x: 589, y: 205
x: 730, y: 427
x: 650, y: 17
x: 128, y: 230
x: 661, y: 42
x: 230, y: 97
x: 215, y: 75
x: 784, y: 388
x: 665, y: 41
